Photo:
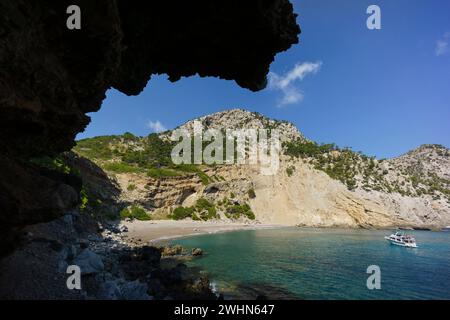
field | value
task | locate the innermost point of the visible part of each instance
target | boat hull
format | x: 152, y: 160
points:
x: 401, y: 244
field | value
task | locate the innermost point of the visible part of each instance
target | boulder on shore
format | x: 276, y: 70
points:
x: 197, y: 252
x: 170, y: 251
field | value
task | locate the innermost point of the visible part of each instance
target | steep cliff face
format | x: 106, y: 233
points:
x: 309, y: 197
x: 420, y: 186
x: 315, y: 185
x: 50, y: 77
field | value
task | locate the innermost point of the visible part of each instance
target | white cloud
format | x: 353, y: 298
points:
x: 285, y: 83
x: 442, y: 45
x: 156, y: 126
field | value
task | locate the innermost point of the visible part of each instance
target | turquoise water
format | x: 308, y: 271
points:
x: 301, y: 263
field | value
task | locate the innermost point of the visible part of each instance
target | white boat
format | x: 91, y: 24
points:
x: 402, y: 240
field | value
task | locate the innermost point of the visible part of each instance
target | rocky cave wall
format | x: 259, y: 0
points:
x: 50, y: 76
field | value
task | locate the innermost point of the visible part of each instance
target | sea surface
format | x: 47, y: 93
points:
x: 307, y: 263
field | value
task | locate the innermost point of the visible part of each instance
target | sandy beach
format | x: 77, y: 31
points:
x: 161, y: 230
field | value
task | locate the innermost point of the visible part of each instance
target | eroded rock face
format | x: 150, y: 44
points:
x: 233, y: 40
x: 50, y: 77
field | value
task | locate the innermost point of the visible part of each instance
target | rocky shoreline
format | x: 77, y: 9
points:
x: 113, y: 267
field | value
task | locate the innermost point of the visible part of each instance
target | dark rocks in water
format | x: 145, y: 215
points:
x: 170, y: 277
x: 200, y: 289
x: 127, y: 290
x: 182, y: 283
x: 140, y: 262
x: 197, y: 252
x: 170, y: 251
x: 422, y: 229
x: 179, y: 282
x: 151, y: 254
x: 260, y: 291
x: 51, y: 76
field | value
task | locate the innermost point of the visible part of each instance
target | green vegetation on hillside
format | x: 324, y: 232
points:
x: 202, y: 210
x: 355, y: 169
x: 134, y: 212
x: 120, y: 167
x: 301, y: 148
x: 90, y: 202
x: 130, y: 154
x: 290, y: 171
x: 339, y: 164
x: 151, y: 156
x: 206, y: 210
x: 235, y: 211
x: 54, y: 164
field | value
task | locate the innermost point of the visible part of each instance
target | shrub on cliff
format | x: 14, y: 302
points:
x: 237, y: 210
x: 290, y: 171
x: 302, y: 148
x: 120, y: 167
x: 95, y: 148
x: 181, y: 213
x: 203, y: 210
x: 134, y: 212
x: 158, y: 173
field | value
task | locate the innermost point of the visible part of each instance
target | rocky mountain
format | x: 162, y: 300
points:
x: 235, y: 119
x: 316, y: 185
x: 425, y: 161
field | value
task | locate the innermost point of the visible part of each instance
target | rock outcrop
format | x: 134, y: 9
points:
x: 235, y: 119
x: 50, y: 76
x: 112, y: 266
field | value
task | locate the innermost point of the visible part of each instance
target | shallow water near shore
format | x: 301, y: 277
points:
x: 304, y: 263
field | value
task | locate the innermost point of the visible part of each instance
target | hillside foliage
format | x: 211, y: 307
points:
x: 405, y: 176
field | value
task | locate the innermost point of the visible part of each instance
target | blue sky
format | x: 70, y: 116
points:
x: 382, y: 92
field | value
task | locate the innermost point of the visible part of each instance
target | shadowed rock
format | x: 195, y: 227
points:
x: 50, y: 77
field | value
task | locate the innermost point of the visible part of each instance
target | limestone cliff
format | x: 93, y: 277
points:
x: 315, y: 185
